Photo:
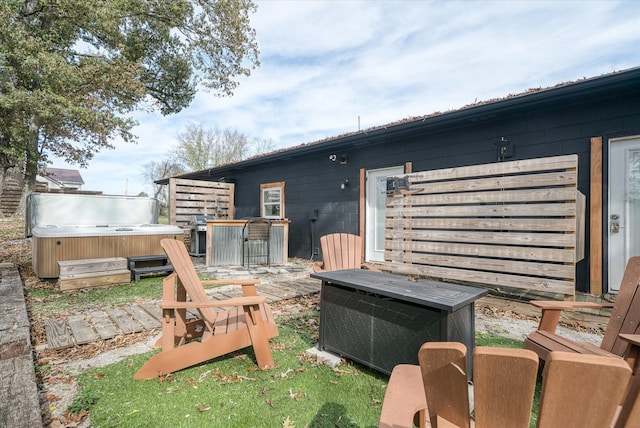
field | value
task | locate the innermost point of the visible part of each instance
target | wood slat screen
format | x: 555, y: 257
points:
x: 508, y: 224
x: 193, y: 197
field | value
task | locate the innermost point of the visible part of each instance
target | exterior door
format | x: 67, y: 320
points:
x: 376, y: 194
x: 624, y: 206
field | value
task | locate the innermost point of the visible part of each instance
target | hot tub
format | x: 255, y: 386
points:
x: 52, y: 244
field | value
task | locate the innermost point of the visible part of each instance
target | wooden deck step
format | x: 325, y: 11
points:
x: 88, y: 273
x: 77, y: 268
x: 143, y: 265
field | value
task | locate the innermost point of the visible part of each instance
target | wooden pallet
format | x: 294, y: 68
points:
x: 89, y: 273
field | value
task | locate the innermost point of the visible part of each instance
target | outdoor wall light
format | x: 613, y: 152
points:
x: 396, y: 185
x: 505, y: 149
x: 334, y: 157
x: 344, y: 184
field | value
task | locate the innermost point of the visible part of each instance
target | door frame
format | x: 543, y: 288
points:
x: 369, y: 213
x: 615, y: 270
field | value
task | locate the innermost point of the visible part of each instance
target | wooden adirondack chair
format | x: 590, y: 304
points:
x: 341, y: 251
x: 247, y: 322
x: 582, y: 390
x: 625, y: 319
x: 578, y: 390
x: 437, y: 390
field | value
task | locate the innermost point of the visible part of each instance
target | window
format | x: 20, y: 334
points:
x: 272, y: 200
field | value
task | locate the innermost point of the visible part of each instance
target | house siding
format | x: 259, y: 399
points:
x: 312, y: 181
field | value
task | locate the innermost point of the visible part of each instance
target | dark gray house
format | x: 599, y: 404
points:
x: 334, y: 185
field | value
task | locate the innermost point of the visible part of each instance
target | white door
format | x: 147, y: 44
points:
x: 376, y: 194
x: 624, y: 206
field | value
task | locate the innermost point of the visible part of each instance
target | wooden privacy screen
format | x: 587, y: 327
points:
x: 509, y: 224
x: 192, y: 197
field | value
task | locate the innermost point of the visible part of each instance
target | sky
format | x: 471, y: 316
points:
x: 334, y: 67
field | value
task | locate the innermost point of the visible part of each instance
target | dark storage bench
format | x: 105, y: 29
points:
x: 141, y: 265
x: 381, y: 320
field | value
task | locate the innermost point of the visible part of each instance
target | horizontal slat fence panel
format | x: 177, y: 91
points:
x: 192, y: 197
x: 480, y: 250
x: 506, y: 224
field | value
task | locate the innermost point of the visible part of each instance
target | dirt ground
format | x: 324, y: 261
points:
x: 57, y: 384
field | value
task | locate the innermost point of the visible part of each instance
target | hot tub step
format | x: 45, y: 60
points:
x: 143, y: 265
x: 86, y: 273
x: 95, y: 280
x: 73, y: 268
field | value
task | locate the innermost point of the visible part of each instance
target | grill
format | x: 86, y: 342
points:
x: 198, y: 226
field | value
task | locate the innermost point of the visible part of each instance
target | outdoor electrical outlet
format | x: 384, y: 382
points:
x: 316, y: 251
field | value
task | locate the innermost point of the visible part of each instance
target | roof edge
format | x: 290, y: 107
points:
x: 535, y: 96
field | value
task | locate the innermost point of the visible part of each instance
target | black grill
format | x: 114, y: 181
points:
x: 198, y: 226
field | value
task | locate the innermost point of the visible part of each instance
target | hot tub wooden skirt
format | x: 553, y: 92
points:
x: 49, y: 250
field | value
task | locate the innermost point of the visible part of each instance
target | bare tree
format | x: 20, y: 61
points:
x: 201, y: 148
x: 157, y: 170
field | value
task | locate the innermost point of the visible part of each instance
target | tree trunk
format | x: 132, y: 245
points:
x: 27, y: 190
x: 31, y: 170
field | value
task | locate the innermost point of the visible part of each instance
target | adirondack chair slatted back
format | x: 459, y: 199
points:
x: 444, y: 376
x: 577, y: 390
x: 504, y: 384
x: 625, y: 317
x: 581, y: 390
x: 187, y: 275
x: 341, y: 251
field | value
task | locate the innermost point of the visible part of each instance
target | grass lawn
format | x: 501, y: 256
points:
x: 229, y: 391
x: 48, y: 301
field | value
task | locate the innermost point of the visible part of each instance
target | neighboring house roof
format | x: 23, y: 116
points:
x: 535, y: 98
x: 63, y: 177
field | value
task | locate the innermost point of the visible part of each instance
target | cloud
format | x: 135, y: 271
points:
x: 328, y: 66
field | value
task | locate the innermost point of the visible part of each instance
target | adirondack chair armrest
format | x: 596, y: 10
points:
x: 236, y: 301
x: 562, y: 305
x: 633, y: 339
x: 551, y: 310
